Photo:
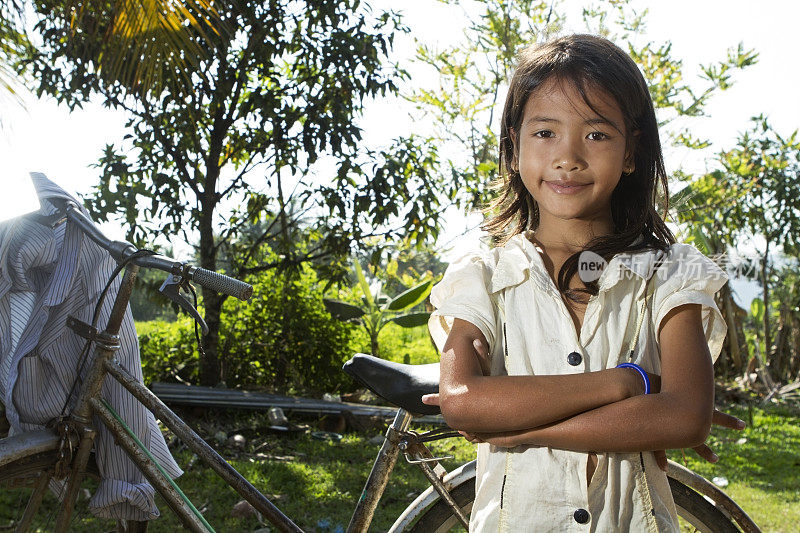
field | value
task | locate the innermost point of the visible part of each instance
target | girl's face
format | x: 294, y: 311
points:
x: 570, y: 157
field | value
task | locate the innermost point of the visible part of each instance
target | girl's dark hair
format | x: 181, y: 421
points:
x: 588, y: 63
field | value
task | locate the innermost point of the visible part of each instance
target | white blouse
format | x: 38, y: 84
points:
x: 508, y: 294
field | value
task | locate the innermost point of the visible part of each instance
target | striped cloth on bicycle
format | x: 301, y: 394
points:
x: 47, y: 274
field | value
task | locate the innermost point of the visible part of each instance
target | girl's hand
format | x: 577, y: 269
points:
x: 718, y: 419
x: 430, y: 399
x: 474, y: 439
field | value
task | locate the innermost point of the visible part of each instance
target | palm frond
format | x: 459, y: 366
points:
x: 148, y: 45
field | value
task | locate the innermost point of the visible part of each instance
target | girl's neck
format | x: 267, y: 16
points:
x: 570, y: 235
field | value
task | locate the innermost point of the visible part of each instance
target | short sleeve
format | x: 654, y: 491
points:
x: 463, y: 293
x: 686, y: 276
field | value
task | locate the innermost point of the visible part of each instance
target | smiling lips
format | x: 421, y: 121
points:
x: 566, y: 187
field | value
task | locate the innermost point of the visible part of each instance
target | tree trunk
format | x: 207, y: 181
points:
x: 781, y: 348
x: 765, y: 290
x: 733, y: 330
x: 373, y: 339
x: 210, y: 365
x: 794, y: 362
x: 281, y: 367
x: 287, y: 337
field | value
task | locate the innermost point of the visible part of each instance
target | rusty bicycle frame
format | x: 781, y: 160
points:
x: 81, y: 436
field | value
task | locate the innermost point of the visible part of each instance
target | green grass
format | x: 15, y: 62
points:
x: 318, y: 482
x: 764, y: 471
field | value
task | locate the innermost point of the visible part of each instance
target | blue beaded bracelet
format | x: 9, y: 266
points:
x: 641, y: 372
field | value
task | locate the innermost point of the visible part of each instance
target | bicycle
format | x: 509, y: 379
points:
x: 33, y: 459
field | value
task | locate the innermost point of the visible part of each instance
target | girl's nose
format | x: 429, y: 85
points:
x: 569, y: 164
x: 569, y: 159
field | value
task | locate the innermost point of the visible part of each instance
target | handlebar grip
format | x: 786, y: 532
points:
x: 222, y: 283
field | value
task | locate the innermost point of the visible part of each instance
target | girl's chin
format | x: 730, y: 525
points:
x: 565, y: 212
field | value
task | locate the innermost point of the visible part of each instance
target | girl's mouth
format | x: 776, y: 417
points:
x: 564, y: 187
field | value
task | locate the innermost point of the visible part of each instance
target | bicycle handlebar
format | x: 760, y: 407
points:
x: 122, y: 250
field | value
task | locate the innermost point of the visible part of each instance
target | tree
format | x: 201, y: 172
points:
x: 276, y: 94
x: 132, y: 42
x: 761, y: 177
x: 12, y: 44
x: 753, y: 198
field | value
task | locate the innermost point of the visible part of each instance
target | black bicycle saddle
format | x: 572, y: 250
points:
x: 399, y: 384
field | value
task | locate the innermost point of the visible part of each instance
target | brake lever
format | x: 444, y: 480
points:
x: 171, y: 288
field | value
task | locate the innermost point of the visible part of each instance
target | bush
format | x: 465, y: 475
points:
x: 406, y: 345
x: 169, y: 350
x: 282, y: 339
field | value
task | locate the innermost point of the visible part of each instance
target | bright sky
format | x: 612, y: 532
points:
x: 45, y: 137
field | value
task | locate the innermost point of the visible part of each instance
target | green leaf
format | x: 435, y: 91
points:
x: 342, y: 310
x: 362, y: 282
x: 757, y: 309
x: 412, y: 320
x: 411, y: 297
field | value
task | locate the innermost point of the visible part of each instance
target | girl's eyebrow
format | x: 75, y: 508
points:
x: 588, y: 121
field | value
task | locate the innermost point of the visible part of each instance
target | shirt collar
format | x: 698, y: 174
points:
x: 520, y: 259
x: 641, y: 263
x: 517, y: 261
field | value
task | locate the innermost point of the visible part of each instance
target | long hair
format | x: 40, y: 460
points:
x: 589, y: 63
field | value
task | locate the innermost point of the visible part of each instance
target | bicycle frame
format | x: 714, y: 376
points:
x: 399, y: 439
x: 82, y: 433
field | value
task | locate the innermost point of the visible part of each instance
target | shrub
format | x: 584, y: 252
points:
x: 169, y: 350
x: 282, y: 339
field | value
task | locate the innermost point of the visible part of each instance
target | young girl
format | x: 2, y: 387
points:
x: 533, y: 336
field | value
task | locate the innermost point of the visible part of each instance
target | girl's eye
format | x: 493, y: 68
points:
x: 545, y: 134
x: 597, y: 136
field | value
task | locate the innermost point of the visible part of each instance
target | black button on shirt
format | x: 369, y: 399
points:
x: 581, y: 516
x: 574, y: 359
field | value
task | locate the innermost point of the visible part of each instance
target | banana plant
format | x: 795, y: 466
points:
x: 379, y: 309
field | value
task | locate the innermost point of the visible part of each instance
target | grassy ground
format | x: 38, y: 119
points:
x: 761, y: 464
x: 317, y: 482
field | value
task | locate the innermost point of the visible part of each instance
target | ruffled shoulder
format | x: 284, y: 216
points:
x: 686, y: 276
x: 685, y: 267
x: 464, y: 292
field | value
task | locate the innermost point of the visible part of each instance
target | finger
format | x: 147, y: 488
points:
x: 471, y: 438
x: 430, y: 399
x: 661, y: 459
x: 480, y: 348
x: 706, y: 453
x: 726, y: 420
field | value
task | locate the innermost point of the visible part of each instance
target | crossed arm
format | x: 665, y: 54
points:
x: 596, y: 411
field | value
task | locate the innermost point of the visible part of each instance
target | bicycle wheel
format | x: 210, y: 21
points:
x: 439, y: 517
x: 692, y: 507
x: 18, y: 480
